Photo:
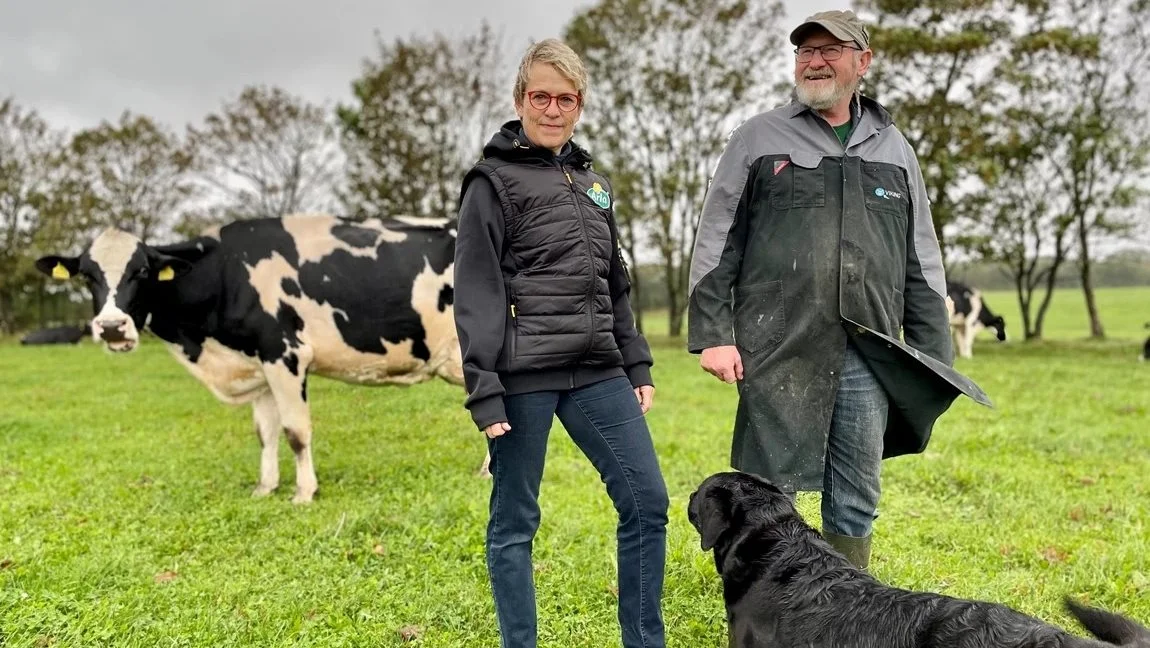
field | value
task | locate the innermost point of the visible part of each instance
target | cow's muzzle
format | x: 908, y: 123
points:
x: 113, y: 330
x: 118, y: 333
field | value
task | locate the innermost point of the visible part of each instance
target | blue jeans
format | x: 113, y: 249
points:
x: 854, y: 450
x: 605, y: 421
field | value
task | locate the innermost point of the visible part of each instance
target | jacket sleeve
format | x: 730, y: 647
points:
x: 480, y: 300
x: 718, y: 252
x: 926, y: 325
x: 637, y: 359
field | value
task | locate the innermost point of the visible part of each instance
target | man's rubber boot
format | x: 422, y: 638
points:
x: 857, y: 550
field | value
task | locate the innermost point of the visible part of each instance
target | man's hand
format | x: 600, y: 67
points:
x: 723, y: 362
x: 497, y: 429
x: 645, y: 394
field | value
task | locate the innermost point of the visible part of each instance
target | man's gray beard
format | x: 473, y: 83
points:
x: 818, y: 101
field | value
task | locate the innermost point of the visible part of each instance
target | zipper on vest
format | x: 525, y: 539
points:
x: 590, y: 259
x: 513, y: 301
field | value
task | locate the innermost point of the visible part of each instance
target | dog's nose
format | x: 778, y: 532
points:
x: 112, y: 330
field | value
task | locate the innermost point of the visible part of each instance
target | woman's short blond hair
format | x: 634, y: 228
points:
x: 558, y: 54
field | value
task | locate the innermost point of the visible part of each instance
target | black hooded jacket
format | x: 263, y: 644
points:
x: 541, y: 290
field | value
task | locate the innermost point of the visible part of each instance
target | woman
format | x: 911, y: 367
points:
x: 546, y: 329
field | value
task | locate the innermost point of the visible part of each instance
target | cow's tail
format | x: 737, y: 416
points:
x: 1110, y: 627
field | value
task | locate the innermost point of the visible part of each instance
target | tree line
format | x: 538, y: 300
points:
x: 1029, y: 118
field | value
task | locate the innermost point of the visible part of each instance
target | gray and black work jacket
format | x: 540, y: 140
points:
x: 803, y: 243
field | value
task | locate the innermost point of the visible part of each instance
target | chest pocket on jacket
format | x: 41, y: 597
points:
x: 885, y: 189
x: 798, y: 181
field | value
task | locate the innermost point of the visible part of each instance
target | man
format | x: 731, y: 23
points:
x: 815, y: 247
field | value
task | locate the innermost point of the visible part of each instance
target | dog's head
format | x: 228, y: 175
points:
x: 726, y: 501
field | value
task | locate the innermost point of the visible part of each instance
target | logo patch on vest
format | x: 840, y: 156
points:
x: 599, y: 195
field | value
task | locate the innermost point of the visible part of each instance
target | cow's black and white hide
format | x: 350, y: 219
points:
x: 785, y: 587
x: 255, y: 307
x: 969, y: 314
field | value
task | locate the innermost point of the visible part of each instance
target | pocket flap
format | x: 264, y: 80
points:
x: 759, y: 316
x: 806, y: 159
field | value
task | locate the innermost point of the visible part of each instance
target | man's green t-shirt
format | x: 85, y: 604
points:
x: 843, y: 131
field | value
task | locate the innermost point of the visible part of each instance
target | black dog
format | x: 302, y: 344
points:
x: 785, y: 587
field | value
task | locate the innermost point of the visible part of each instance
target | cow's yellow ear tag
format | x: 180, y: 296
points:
x: 167, y: 274
x: 60, y: 272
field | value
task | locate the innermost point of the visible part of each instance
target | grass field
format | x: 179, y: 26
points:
x: 126, y: 520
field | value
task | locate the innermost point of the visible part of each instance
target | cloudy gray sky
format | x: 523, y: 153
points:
x: 78, y: 62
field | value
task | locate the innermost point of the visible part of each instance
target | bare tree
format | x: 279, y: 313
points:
x: 138, y: 171
x: 669, y: 80
x: 1099, y: 152
x: 420, y: 116
x: 30, y: 176
x: 268, y: 154
x: 1022, y: 226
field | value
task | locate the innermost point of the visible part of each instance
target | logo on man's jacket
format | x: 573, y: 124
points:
x: 883, y: 193
x: 599, y: 195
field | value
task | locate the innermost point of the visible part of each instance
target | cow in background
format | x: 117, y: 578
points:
x: 255, y: 307
x: 969, y: 314
x: 57, y: 335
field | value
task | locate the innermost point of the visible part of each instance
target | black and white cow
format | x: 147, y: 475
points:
x: 252, y: 308
x: 969, y: 314
x: 57, y: 335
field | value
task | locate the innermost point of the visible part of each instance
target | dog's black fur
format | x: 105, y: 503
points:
x: 785, y: 587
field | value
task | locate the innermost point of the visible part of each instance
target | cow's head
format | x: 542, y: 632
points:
x: 122, y: 273
x: 999, y: 326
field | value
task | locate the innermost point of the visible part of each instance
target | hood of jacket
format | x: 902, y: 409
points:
x: 510, y: 143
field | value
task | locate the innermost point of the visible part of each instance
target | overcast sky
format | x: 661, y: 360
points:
x: 77, y: 62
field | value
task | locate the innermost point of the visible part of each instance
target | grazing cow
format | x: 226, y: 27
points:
x: 252, y: 308
x: 969, y: 314
x: 57, y: 335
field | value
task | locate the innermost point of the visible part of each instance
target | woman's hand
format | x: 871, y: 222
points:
x: 645, y: 394
x: 497, y: 429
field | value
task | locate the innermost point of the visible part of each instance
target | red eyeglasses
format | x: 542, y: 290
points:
x: 542, y: 100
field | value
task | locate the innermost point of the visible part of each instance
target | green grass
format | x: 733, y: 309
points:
x: 126, y: 520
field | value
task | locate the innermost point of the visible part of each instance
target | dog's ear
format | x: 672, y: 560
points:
x: 714, y: 511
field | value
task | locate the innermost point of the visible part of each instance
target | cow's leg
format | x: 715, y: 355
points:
x: 267, y: 423
x: 289, y: 384
x: 967, y: 339
x: 972, y: 325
